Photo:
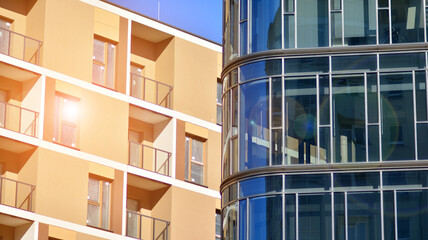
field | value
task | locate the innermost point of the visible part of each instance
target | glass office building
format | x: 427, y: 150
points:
x: 325, y: 124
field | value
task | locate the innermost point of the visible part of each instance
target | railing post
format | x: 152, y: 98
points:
x: 142, y: 156
x: 156, y: 157
x: 144, y: 88
x: 16, y: 194
x: 169, y: 97
x: 157, y: 92
x: 23, y: 51
x: 31, y: 199
x: 140, y: 225
x: 1, y: 189
x: 5, y: 114
x: 8, y: 44
x: 20, y: 120
x: 38, y: 53
x: 154, y: 222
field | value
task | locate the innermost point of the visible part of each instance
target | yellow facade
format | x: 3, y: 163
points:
x: 107, y: 125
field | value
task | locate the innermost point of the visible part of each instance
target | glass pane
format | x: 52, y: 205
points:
x: 2, y: 114
x: 244, y: 38
x: 234, y: 150
x: 373, y: 142
x: 307, y: 183
x: 234, y: 111
x: 406, y: 21
x: 277, y: 148
x: 197, y: 172
x: 422, y: 133
x: 276, y: 102
x: 243, y: 220
x: 336, y: 5
x: 234, y: 77
x: 412, y: 215
x: 315, y: 217
x: 405, y: 179
x: 312, y: 23
x: 219, y: 116
x: 233, y: 47
x: 105, y: 210
x: 4, y: 42
x: 265, y: 26
x: 226, y: 160
x: 336, y: 29
x: 306, y: 65
x: 289, y: 31
x: 68, y: 135
x: 403, y: 61
x: 187, y: 158
x: 290, y: 217
x: 217, y: 224
x: 339, y: 216
x: 421, y: 96
x: 372, y: 98
x: 388, y: 215
x: 261, y: 69
x: 325, y: 148
x: 288, y: 5
x: 383, y: 16
x: 349, y: 136
x: 244, y: 6
x: 383, y: 3
x: 93, y: 189
x: 136, y: 85
x: 360, y: 181
x: 197, y: 151
x: 254, y: 125
x: 98, y: 50
x: 364, y: 221
x: 398, y: 141
x: 219, y: 92
x: 70, y: 110
x: 261, y: 185
x: 134, y: 154
x: 265, y: 218
x: 360, y: 22
x: 324, y: 100
x: 97, y: 74
x: 93, y: 215
x: 110, y: 66
x: 301, y: 120
x: 358, y: 62
x: 230, y: 221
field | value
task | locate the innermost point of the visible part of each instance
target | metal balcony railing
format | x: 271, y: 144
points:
x: 16, y: 194
x: 149, y: 158
x: 20, y: 46
x: 145, y: 227
x: 151, y: 90
x: 18, y: 119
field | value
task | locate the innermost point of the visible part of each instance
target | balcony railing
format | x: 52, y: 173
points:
x: 149, y: 158
x: 20, y: 46
x: 145, y: 227
x: 18, y: 119
x: 16, y: 194
x: 151, y: 90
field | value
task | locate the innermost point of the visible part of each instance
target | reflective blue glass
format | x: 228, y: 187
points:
x: 260, y: 69
x: 369, y: 180
x: 364, y: 218
x: 358, y: 62
x: 306, y: 65
x: 312, y: 23
x: 398, y: 140
x: 360, y: 22
x: 254, y: 125
x: 339, y: 216
x: 265, y: 218
x: 421, y: 96
x: 388, y: 215
x: 315, y: 217
x: 229, y: 215
x: 409, y: 179
x: 243, y: 5
x: 261, y: 185
x: 315, y: 182
x: 265, y: 25
x: 383, y: 26
x: 402, y: 60
x: 243, y: 219
x: 244, y: 38
x: 290, y: 216
x: 412, y: 214
x: 422, y: 132
x: 406, y: 21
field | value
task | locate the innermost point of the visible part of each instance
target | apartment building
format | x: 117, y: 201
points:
x: 325, y: 120
x: 109, y: 125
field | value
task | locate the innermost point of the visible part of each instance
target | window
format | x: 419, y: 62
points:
x: 98, y: 203
x: 103, y: 63
x: 217, y: 225
x: 4, y: 36
x: 219, y: 103
x: 136, y: 81
x: 66, y: 120
x: 3, y: 101
x: 194, y: 162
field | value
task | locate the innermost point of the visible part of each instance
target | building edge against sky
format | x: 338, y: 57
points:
x: 325, y: 119
x: 108, y: 125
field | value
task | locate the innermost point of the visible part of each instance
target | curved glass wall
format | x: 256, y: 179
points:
x: 348, y: 205
x: 325, y: 110
x: 286, y: 24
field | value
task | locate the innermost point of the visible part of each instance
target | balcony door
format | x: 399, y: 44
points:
x: 4, y: 36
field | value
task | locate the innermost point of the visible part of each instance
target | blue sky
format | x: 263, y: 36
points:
x: 200, y: 17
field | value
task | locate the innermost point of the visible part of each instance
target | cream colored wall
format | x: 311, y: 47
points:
x: 144, y: 53
x: 68, y: 38
x: 195, y: 80
x: 213, y: 164
x: 165, y: 64
x: 25, y: 232
x: 104, y: 126
x: 61, y: 233
x: 163, y: 140
x: 36, y: 22
x: 106, y: 24
x: 193, y: 215
x: 32, y: 95
x: 8, y: 233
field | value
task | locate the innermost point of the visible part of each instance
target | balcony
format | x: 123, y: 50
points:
x: 149, y: 158
x: 20, y: 46
x: 18, y: 119
x: 145, y: 227
x: 151, y: 90
x: 16, y: 194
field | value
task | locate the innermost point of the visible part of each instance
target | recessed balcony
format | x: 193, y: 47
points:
x: 141, y: 226
x: 19, y: 46
x: 18, y: 119
x: 16, y: 194
x: 149, y: 158
x: 151, y: 90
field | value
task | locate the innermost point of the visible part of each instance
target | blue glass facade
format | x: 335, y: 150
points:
x: 325, y: 120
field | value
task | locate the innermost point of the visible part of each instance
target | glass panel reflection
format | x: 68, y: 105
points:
x: 229, y: 215
x: 406, y: 21
x: 265, y: 218
x: 271, y: 184
x: 315, y: 217
x: 261, y: 69
x: 364, y: 221
x: 312, y: 23
x: 360, y: 22
x: 307, y: 183
x: 265, y: 25
x: 356, y: 181
x: 412, y: 214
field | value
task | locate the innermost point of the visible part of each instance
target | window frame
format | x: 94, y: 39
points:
x: 189, y: 162
x: 59, y: 121
x: 217, y: 217
x: 100, y: 202
x: 104, y: 64
x: 219, y: 102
